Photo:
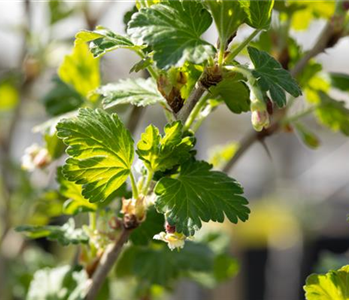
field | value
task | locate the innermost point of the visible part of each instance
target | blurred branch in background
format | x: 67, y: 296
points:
x: 329, y: 37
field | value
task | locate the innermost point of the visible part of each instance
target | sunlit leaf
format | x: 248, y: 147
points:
x: 164, y: 152
x: 101, y: 152
x: 103, y: 40
x: 331, y: 286
x: 333, y: 114
x: 80, y: 70
x: 76, y: 203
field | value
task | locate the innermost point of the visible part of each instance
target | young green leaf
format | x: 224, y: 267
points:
x: 308, y: 137
x: 199, y: 194
x: 340, y: 81
x: 258, y: 12
x: 160, y: 153
x: 139, y: 92
x: 76, y: 203
x: 65, y: 234
x: 333, y: 114
x: 54, y: 145
x: 273, y: 77
x: 228, y: 16
x: 103, y: 40
x: 62, y: 98
x: 80, y: 70
x: 170, y: 30
x: 235, y: 94
x: 331, y: 286
x: 101, y: 152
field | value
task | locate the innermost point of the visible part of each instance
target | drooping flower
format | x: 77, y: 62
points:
x: 173, y: 240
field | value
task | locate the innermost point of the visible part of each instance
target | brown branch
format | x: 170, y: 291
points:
x: 328, y: 38
x: 190, y: 103
x: 248, y: 141
x: 106, y: 264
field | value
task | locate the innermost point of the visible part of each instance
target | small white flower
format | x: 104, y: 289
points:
x: 35, y: 157
x: 173, y: 240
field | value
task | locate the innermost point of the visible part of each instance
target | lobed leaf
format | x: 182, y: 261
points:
x: 76, y: 203
x: 160, y: 153
x: 272, y: 77
x: 139, y: 92
x: 170, y: 30
x: 103, y: 40
x: 200, y: 194
x: 101, y: 152
x: 80, y: 70
x: 331, y: 286
x: 333, y: 114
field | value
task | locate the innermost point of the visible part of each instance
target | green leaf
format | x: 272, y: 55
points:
x: 80, y: 70
x: 103, y: 40
x: 331, y: 286
x: 340, y: 81
x: 61, y: 99
x: 76, y: 203
x: 65, y: 234
x: 258, y: 12
x: 54, y: 145
x: 153, y: 224
x: 228, y: 16
x: 199, y: 194
x: 61, y: 283
x: 235, y: 94
x: 160, y: 153
x: 308, y: 138
x: 169, y: 29
x: 272, y: 77
x: 139, y: 92
x: 333, y: 114
x: 159, y: 265
x: 58, y: 11
x: 101, y: 152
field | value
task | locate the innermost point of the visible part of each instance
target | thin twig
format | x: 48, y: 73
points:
x: 190, y: 103
x: 106, y: 264
x: 323, y: 42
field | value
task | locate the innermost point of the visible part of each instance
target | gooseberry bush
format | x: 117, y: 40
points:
x: 147, y: 196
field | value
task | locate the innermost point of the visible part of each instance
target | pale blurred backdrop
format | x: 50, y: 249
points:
x: 299, y: 197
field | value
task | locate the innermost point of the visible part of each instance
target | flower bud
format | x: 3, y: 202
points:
x: 134, y: 207
x: 35, y: 157
x: 259, y: 116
